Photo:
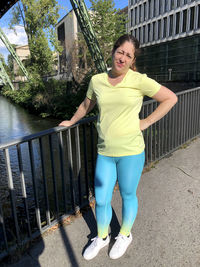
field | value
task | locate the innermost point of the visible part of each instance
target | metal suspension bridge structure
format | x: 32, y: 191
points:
x: 4, y: 76
x: 83, y: 18
x: 6, y: 79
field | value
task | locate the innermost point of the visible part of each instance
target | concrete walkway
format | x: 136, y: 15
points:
x: 166, y: 231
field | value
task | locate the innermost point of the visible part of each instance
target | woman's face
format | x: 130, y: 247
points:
x: 123, y: 58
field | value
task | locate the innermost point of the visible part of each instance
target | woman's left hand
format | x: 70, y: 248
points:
x: 144, y: 124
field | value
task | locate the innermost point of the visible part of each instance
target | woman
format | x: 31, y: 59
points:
x: 119, y: 95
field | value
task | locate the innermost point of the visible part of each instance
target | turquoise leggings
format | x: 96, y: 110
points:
x: 127, y: 170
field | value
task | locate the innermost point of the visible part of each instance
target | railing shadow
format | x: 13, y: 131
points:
x: 68, y: 246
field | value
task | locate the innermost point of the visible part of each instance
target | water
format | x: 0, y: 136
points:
x: 16, y: 122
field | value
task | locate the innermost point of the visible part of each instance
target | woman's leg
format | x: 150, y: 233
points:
x: 129, y: 170
x: 105, y: 179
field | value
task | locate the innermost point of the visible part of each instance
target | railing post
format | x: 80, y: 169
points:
x: 12, y: 193
x: 78, y: 163
x: 44, y: 183
x: 69, y: 150
x: 37, y: 209
x: 53, y: 176
x: 23, y: 188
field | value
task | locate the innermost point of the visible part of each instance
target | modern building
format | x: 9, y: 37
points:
x: 169, y: 33
x: 23, y: 53
x: 67, y: 30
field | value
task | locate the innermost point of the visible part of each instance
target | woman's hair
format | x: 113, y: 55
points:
x: 128, y: 38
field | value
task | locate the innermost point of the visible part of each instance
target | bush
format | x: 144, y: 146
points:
x: 53, y: 98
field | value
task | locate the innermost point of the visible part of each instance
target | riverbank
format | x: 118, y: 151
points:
x: 52, y: 98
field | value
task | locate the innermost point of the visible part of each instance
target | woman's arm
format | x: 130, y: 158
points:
x: 85, y: 107
x: 167, y: 100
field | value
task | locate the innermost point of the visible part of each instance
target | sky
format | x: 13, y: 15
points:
x: 19, y: 38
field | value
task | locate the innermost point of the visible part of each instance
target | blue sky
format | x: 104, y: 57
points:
x: 21, y: 39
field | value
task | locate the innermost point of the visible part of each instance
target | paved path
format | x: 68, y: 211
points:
x: 166, y: 231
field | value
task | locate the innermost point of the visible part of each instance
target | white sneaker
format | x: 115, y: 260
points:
x: 94, y: 248
x: 121, y: 244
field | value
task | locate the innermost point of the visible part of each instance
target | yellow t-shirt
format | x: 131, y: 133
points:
x: 118, y: 126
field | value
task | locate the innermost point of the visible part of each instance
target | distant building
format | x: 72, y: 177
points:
x: 67, y: 29
x: 23, y: 53
x: 169, y: 33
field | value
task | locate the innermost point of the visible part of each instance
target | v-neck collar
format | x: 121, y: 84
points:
x: 118, y: 82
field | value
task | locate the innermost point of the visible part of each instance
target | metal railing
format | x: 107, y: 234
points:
x: 49, y: 175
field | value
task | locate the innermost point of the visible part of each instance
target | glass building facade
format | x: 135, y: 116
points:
x: 169, y: 33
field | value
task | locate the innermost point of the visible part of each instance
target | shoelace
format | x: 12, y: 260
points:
x: 119, y: 238
x: 95, y: 241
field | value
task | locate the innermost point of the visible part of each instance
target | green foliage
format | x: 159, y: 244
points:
x: 60, y: 98
x: 39, y: 18
x: 51, y: 98
x: 108, y: 24
x: 10, y: 66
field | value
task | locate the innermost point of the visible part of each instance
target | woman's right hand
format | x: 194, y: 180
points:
x: 66, y: 123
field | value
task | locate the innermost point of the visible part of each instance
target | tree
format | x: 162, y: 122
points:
x: 39, y: 18
x: 108, y: 24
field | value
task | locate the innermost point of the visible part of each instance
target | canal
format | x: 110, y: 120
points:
x: 16, y: 122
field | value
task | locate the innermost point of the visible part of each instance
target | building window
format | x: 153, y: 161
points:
x: 149, y: 15
x: 198, y: 26
x: 184, y: 20
x: 153, y: 9
x: 144, y: 34
x: 135, y: 33
x: 165, y: 27
x: 177, y: 22
x: 140, y: 34
x: 61, y: 32
x: 160, y: 7
x: 166, y: 1
x: 148, y: 32
x: 140, y: 17
x: 170, y: 25
x: 178, y: 3
x: 134, y: 18
x: 159, y: 29
x: 154, y: 31
x: 173, y: 4
x: 131, y: 17
x: 145, y: 10
x: 192, y: 18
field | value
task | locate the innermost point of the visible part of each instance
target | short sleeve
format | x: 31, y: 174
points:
x: 90, y: 92
x: 149, y: 86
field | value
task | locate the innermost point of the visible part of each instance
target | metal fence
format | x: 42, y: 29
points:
x: 49, y: 175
